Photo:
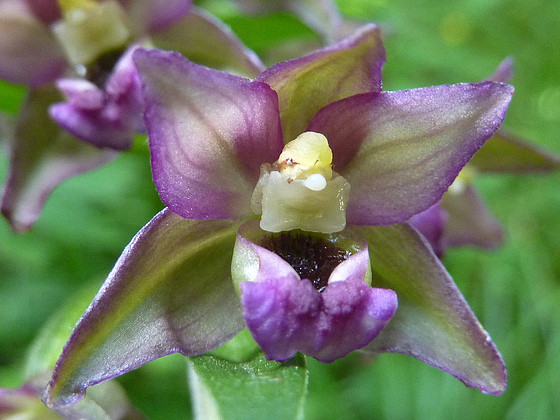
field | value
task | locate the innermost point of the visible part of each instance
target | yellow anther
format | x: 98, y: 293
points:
x: 307, y: 155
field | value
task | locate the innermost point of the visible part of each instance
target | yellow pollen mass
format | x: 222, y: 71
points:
x: 307, y: 155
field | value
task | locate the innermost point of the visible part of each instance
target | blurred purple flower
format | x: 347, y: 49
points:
x: 42, y: 45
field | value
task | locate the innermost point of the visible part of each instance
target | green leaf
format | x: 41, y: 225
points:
x: 258, y: 389
x: 433, y: 321
x: 240, y: 348
x: 12, y: 97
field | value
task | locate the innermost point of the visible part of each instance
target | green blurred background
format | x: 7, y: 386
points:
x: 513, y: 290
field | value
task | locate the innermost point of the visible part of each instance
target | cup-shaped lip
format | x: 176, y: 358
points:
x: 287, y: 314
x: 253, y: 262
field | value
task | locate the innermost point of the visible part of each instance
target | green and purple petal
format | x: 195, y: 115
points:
x: 469, y: 221
x: 209, y: 133
x: 29, y: 52
x: 305, y: 85
x: 400, y: 151
x: 206, y: 40
x: 286, y: 314
x: 170, y: 291
x: 433, y: 322
x: 42, y: 156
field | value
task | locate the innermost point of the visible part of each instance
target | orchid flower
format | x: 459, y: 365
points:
x: 59, y: 43
x: 279, y: 193
x: 461, y: 217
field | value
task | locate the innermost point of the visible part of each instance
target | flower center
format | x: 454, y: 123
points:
x: 300, y: 190
x: 313, y: 257
x: 309, y: 155
x: 99, y: 71
x: 90, y: 29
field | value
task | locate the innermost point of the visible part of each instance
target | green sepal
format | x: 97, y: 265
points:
x: 433, y: 322
x: 507, y: 153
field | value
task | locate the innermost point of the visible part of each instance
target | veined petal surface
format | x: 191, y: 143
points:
x: 209, y: 133
x: 433, y: 322
x: 171, y: 291
x: 305, y: 85
x: 400, y: 151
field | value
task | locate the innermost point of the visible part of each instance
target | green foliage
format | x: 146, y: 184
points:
x: 257, y: 389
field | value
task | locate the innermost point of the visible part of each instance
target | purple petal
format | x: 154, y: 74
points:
x: 47, y: 11
x: 170, y: 291
x: 469, y: 222
x: 400, y: 151
x: 41, y: 157
x: 82, y: 94
x: 206, y: 40
x: 209, y: 133
x: 504, y: 72
x: 431, y: 224
x: 286, y: 314
x: 29, y: 53
x: 305, y: 85
x: 150, y: 16
x: 434, y: 322
x: 106, y: 117
x: 508, y: 153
